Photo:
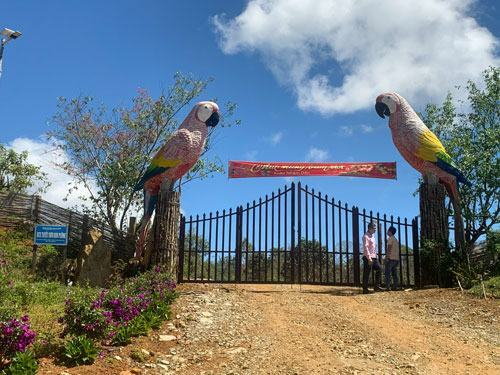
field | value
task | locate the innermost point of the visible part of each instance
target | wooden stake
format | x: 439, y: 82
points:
x: 460, y: 285
x: 484, y: 291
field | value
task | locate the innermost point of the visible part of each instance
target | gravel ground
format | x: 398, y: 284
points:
x: 279, y: 329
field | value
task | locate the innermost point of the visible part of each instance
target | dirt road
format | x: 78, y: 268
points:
x: 278, y: 329
x: 269, y: 329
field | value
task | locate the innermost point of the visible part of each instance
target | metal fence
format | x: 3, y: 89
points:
x: 294, y: 235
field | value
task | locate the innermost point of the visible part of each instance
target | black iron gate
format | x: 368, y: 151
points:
x: 296, y: 235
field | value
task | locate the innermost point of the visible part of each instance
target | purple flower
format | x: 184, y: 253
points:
x: 15, y: 335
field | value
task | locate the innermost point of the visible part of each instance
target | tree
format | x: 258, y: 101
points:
x: 309, y: 263
x: 110, y: 150
x: 196, y: 259
x: 17, y: 175
x: 471, y: 138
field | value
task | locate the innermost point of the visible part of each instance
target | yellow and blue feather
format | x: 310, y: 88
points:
x: 431, y: 149
x: 158, y: 165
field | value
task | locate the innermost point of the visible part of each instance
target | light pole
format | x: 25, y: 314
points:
x: 7, y: 35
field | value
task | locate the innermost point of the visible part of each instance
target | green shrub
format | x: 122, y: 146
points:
x: 492, y: 261
x: 153, y: 319
x: 82, y: 317
x: 47, y: 344
x: 139, y: 326
x: 50, y: 261
x: 122, y: 336
x: 138, y: 356
x: 491, y: 287
x: 437, y: 263
x: 102, y: 315
x: 23, y: 363
x: 80, y: 351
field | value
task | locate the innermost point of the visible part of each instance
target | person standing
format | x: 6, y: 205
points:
x: 370, y: 260
x: 391, y: 260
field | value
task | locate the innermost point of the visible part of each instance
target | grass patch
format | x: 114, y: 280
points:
x: 15, y: 253
x: 129, y: 308
x: 491, y: 287
x: 22, y: 293
x: 43, y: 302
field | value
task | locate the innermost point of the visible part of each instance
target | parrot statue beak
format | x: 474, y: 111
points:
x: 382, y: 109
x: 213, y: 120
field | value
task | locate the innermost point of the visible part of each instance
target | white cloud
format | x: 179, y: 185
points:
x: 47, y: 156
x: 420, y: 49
x: 275, y: 138
x: 346, y: 131
x: 366, y: 128
x: 350, y: 130
x: 317, y: 155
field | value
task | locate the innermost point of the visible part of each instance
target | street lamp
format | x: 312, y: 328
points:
x: 7, y: 35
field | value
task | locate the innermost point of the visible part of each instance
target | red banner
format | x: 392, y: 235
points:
x: 242, y: 169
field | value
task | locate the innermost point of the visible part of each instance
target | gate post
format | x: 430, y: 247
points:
x: 416, y: 253
x: 355, y: 245
x: 239, y: 242
x: 182, y: 238
x: 292, y: 234
x: 299, y: 230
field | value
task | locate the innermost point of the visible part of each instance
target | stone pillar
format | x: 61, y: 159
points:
x: 94, y: 261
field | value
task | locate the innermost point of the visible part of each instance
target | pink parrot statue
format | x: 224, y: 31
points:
x: 420, y: 147
x: 174, y: 159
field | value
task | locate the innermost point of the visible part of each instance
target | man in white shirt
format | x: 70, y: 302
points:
x: 391, y: 260
x: 370, y: 260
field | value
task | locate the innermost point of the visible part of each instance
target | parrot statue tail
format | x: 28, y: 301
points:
x: 445, y: 163
x: 150, y: 201
x: 451, y: 188
x: 150, y: 173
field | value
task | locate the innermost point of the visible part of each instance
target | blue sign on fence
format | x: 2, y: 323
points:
x: 51, y: 234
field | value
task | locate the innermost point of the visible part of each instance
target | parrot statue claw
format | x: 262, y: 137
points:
x: 175, y: 158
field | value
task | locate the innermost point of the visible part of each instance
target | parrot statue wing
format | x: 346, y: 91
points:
x: 172, y: 154
x: 158, y: 165
x: 431, y: 149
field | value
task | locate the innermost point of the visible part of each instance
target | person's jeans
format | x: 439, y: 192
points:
x: 391, y: 268
x: 366, y: 272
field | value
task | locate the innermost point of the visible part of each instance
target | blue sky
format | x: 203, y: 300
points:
x: 304, y: 79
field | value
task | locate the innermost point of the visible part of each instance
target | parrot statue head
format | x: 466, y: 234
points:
x: 208, y: 113
x: 387, y: 104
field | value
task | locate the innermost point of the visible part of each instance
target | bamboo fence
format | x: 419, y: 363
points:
x: 21, y: 210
